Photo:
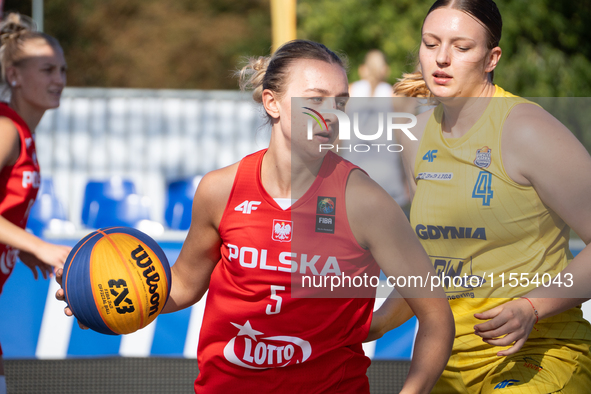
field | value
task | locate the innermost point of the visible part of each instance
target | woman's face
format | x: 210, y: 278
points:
x: 41, y: 76
x: 314, y: 85
x: 454, y: 57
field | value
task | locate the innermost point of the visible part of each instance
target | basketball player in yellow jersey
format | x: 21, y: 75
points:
x: 497, y: 183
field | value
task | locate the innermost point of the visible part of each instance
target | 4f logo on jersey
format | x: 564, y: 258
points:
x: 247, y: 207
x: 430, y: 155
x: 483, y: 157
x: 31, y: 178
x: 248, y: 351
x: 282, y: 230
x: 325, y: 214
x: 506, y: 383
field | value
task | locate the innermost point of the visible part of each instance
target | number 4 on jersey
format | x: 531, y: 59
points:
x: 483, y: 188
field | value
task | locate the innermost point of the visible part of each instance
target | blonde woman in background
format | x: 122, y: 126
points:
x: 372, y: 95
x: 34, y: 71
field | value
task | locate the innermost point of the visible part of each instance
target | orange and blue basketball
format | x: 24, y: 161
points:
x: 116, y: 280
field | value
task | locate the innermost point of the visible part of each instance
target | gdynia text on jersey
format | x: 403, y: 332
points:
x: 393, y: 120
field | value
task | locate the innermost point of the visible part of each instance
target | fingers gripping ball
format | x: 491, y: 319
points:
x: 116, y: 280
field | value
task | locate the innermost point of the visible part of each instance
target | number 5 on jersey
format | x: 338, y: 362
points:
x: 277, y: 298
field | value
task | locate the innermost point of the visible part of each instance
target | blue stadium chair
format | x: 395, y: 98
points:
x: 179, y: 202
x: 113, y: 202
x: 46, y: 207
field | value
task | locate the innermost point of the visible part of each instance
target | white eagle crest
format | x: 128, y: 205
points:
x: 282, y: 230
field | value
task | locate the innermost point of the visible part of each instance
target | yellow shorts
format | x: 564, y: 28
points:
x: 542, y: 366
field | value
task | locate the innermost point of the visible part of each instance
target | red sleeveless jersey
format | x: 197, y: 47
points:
x: 255, y: 336
x: 18, y: 188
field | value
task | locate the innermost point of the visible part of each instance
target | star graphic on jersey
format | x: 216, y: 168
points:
x: 246, y: 329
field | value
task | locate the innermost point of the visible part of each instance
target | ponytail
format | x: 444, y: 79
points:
x: 251, y: 77
x: 412, y: 85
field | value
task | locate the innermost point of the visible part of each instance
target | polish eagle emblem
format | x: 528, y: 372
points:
x: 282, y: 230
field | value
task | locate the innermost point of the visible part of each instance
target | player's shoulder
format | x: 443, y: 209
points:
x: 9, y: 142
x: 7, y: 128
x: 528, y: 123
x: 215, y: 186
x: 365, y: 193
x: 369, y: 207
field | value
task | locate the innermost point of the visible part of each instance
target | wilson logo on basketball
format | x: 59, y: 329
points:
x: 282, y: 230
x: 248, y: 351
x: 142, y: 260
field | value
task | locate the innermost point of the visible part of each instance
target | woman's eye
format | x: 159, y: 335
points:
x: 463, y: 49
x: 316, y: 99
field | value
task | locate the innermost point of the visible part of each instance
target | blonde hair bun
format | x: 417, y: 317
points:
x: 14, y: 25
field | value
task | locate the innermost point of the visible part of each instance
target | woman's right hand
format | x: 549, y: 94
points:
x: 53, y: 255
x: 60, y: 296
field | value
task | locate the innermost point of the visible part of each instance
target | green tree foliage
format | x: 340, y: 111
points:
x: 546, y: 43
x: 196, y: 43
x: 171, y: 44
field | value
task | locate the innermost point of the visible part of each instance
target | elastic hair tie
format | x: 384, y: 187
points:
x: 535, y: 310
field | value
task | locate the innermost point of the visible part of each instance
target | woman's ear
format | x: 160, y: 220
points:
x: 11, y: 76
x: 493, y: 59
x: 270, y: 103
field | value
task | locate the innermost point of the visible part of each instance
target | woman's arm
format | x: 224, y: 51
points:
x: 201, y: 250
x: 540, y: 151
x: 379, y: 225
x: 392, y: 313
x: 35, y: 252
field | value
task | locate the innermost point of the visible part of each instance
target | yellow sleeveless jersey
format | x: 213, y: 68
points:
x: 489, y: 238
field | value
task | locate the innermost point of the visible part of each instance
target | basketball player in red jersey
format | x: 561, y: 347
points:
x: 246, y: 244
x: 33, y: 69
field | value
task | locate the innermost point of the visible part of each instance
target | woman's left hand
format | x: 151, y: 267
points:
x: 33, y: 263
x: 510, y: 323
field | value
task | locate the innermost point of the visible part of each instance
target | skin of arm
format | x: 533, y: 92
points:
x: 539, y: 151
x: 395, y: 311
x: 35, y: 253
x: 398, y: 252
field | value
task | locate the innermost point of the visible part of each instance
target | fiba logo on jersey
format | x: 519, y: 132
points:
x: 483, y: 157
x: 248, y: 351
x: 282, y: 230
x: 344, y: 127
x: 326, y: 214
x: 326, y: 205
